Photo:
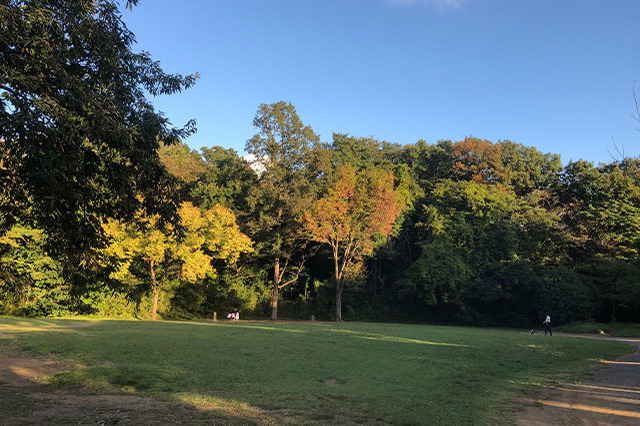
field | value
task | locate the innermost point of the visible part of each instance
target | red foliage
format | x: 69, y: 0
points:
x: 358, y: 210
x: 478, y: 160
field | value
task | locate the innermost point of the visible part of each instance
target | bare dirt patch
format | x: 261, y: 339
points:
x: 27, y: 399
x: 610, y: 397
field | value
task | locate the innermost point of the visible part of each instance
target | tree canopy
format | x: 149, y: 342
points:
x: 79, y: 139
x: 105, y: 210
x: 283, y: 156
x: 354, y: 215
x: 209, y: 235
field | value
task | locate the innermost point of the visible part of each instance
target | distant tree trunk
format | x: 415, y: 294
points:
x: 613, y: 311
x: 276, y: 283
x: 156, y: 291
x: 339, y: 285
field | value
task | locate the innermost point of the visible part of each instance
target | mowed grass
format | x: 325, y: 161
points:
x: 349, y: 373
x: 619, y: 329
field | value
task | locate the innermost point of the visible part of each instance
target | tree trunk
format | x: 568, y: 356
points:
x: 276, y: 283
x: 339, y: 286
x: 156, y: 291
x: 613, y: 311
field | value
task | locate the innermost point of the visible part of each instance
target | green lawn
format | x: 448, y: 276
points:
x: 618, y: 329
x: 354, y: 373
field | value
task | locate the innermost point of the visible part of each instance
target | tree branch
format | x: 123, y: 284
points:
x: 300, y: 267
x: 635, y: 101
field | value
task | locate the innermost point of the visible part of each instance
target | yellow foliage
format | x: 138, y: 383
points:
x: 223, y: 235
x: 209, y: 235
x: 196, y: 265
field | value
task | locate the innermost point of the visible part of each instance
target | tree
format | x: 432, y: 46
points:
x: 603, y: 217
x: 463, y: 230
x: 358, y: 152
x: 182, y: 162
x: 211, y: 235
x: 355, y: 214
x: 527, y: 168
x: 283, y: 156
x: 477, y: 160
x: 227, y: 180
x: 30, y: 280
x: 515, y: 166
x: 365, y: 153
x: 78, y: 138
x: 428, y: 163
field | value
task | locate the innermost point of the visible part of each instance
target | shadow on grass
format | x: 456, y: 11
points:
x: 39, y: 385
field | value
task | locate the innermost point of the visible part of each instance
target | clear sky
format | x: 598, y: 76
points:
x: 554, y: 74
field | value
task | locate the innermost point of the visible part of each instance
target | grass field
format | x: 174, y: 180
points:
x: 619, y: 329
x: 349, y: 373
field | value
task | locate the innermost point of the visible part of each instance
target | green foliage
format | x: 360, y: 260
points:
x: 360, y: 153
x: 30, y: 280
x: 244, y: 288
x: 182, y: 162
x: 79, y: 139
x: 485, y: 259
x: 603, y: 216
x: 567, y: 294
x: 471, y: 217
x: 428, y: 163
x: 103, y: 303
x: 529, y: 169
x: 228, y: 179
x: 282, y: 156
x: 542, y: 235
x: 465, y: 230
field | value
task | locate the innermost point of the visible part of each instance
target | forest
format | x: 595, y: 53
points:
x: 106, y: 211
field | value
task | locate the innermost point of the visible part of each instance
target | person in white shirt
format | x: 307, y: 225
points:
x: 547, y: 325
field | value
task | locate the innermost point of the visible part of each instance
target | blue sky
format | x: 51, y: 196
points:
x: 557, y: 75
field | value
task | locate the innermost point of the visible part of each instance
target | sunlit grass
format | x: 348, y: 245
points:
x: 374, y: 336
x: 321, y: 372
x: 8, y: 326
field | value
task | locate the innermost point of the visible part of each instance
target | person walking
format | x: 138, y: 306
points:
x: 547, y: 326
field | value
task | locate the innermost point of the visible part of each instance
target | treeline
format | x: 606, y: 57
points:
x: 104, y: 212
x: 468, y: 232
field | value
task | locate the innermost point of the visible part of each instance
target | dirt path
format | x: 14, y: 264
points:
x: 610, y: 397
